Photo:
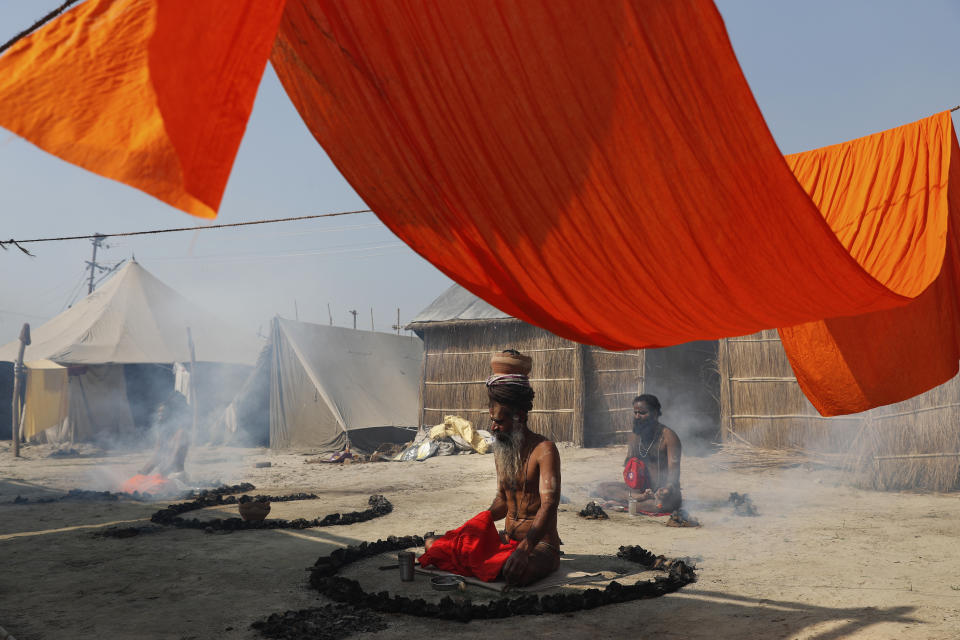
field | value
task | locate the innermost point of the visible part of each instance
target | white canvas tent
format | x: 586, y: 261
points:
x: 77, y: 363
x: 332, y: 386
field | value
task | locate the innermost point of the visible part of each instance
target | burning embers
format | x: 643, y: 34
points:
x: 154, y: 484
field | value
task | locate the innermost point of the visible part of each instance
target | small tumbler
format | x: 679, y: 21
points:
x: 632, y: 507
x: 406, y: 565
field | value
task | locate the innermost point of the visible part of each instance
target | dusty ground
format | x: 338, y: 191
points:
x: 821, y: 561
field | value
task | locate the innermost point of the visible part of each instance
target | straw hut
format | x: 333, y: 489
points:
x: 913, y: 444
x: 584, y: 393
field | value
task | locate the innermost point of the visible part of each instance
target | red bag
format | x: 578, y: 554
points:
x: 635, y: 475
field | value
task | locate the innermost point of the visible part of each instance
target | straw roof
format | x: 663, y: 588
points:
x: 454, y: 305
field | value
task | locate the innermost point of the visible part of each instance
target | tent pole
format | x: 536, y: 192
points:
x: 193, y: 384
x: 423, y: 379
x: 17, y: 375
x: 579, y: 396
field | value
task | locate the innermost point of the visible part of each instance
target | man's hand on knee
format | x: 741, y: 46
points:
x: 516, y: 565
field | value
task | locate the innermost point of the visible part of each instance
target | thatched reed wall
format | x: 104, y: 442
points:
x: 583, y: 393
x: 913, y: 444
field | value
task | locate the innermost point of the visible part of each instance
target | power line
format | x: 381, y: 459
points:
x: 17, y: 243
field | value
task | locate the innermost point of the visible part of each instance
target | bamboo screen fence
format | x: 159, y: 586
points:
x: 913, y: 444
x: 583, y: 394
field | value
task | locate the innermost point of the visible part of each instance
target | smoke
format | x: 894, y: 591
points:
x: 686, y: 381
x: 134, y: 413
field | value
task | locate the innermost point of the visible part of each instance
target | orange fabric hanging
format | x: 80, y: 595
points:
x: 606, y: 175
x: 893, y: 200
x: 155, y: 94
x: 603, y: 173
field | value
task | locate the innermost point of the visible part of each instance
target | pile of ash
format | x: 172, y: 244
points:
x: 127, y: 532
x: 332, y: 622
x: 593, y: 512
x: 83, y: 495
x: 742, y: 504
x: 680, y: 518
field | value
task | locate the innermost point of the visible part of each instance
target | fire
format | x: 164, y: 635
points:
x: 154, y: 483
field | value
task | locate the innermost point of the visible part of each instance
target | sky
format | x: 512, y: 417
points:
x: 822, y: 72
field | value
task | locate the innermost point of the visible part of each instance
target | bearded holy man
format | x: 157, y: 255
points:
x: 528, y: 492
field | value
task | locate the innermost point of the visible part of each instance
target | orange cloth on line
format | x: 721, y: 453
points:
x: 153, y: 93
x: 893, y: 199
x: 607, y: 175
x: 598, y: 170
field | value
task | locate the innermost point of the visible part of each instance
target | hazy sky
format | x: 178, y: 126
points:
x: 822, y: 72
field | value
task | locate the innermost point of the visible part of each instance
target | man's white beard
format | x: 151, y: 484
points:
x: 506, y: 453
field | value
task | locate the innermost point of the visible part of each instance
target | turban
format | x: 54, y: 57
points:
x: 510, y: 383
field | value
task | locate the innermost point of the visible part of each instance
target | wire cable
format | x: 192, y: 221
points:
x: 17, y: 243
x: 36, y: 25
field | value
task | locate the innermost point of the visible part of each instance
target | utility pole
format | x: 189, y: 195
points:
x: 296, y: 312
x: 330, y: 313
x: 371, y: 319
x: 397, y: 326
x: 97, y: 240
x: 354, y: 312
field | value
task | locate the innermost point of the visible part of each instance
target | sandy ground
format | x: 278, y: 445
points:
x: 821, y: 561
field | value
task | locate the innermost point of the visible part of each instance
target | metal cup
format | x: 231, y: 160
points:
x: 405, y: 558
x: 632, y: 507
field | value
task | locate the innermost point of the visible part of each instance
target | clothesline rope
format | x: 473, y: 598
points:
x: 36, y: 25
x: 17, y: 243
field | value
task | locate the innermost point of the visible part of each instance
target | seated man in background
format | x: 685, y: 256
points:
x: 652, y: 464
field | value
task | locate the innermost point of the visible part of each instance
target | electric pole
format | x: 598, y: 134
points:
x: 354, y: 312
x: 397, y: 326
x: 330, y: 314
x: 97, y: 240
x: 371, y: 319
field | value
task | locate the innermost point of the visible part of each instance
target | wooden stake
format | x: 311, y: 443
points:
x: 579, y: 395
x: 193, y: 383
x: 17, y: 375
x: 423, y: 381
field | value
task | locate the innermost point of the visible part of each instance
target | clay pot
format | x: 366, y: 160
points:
x: 254, y: 511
